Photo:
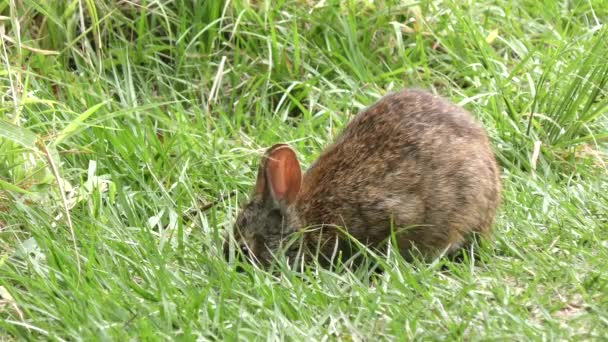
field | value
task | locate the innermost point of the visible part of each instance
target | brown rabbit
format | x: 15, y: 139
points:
x: 412, y: 163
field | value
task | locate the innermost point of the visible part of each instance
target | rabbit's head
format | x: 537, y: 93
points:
x: 268, y: 218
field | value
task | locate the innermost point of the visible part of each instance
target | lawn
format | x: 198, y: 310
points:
x: 145, y: 120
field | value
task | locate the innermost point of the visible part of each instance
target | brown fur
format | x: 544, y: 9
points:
x: 412, y: 161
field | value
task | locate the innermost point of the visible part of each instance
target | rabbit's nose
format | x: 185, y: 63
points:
x: 244, y: 249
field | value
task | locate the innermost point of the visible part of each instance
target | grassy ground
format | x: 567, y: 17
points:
x: 149, y: 111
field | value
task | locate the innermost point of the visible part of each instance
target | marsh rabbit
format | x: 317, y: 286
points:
x: 412, y: 164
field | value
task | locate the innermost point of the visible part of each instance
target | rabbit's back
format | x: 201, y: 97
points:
x: 413, y: 158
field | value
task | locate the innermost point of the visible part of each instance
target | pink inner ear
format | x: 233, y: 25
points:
x: 284, y: 174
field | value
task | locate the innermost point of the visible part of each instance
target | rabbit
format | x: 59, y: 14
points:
x: 412, y: 163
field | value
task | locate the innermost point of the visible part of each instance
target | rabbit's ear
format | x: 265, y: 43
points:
x: 283, y: 173
x: 261, y: 185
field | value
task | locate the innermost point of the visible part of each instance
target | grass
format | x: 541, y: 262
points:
x: 150, y: 111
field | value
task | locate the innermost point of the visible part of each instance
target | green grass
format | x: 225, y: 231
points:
x: 151, y: 110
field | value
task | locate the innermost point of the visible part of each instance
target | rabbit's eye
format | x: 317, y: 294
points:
x: 275, y: 221
x: 275, y: 214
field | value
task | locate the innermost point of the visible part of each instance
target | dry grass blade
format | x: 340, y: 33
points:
x: 55, y: 170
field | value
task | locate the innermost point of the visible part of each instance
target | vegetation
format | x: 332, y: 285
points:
x: 145, y: 120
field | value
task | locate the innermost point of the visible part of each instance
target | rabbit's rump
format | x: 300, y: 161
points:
x: 413, y: 163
